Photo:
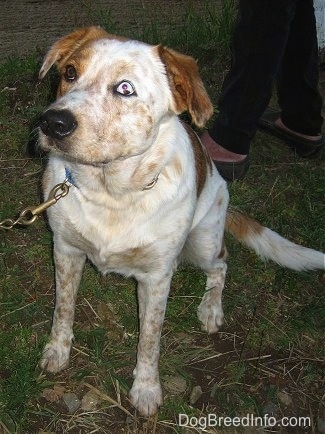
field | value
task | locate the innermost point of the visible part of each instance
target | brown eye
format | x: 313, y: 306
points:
x: 70, y: 73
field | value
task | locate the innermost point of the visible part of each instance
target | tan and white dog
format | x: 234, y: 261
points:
x: 144, y: 193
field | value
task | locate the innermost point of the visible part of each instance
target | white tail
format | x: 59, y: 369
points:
x: 270, y: 245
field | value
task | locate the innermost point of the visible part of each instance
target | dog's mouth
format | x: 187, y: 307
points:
x: 59, y: 148
x: 63, y: 148
x: 50, y: 144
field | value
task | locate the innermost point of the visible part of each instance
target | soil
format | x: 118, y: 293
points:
x: 29, y: 24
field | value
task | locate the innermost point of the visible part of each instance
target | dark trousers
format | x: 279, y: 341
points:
x: 274, y: 41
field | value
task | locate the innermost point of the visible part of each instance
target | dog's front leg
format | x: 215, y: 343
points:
x: 146, y: 393
x: 68, y: 271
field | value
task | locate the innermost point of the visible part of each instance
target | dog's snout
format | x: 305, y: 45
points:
x: 58, y: 124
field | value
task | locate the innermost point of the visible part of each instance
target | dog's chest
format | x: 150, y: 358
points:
x: 126, y: 241
x: 113, y: 241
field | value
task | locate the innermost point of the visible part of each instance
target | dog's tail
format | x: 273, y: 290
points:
x: 270, y: 245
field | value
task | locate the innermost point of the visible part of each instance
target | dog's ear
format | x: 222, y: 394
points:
x: 186, y: 85
x: 64, y: 47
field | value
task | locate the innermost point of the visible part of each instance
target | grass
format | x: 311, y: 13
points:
x: 272, y: 341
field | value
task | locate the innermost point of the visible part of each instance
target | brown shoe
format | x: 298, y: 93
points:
x: 303, y: 147
x: 232, y: 171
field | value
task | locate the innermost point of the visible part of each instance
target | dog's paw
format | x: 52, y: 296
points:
x: 210, y: 313
x: 146, y: 397
x: 55, y: 357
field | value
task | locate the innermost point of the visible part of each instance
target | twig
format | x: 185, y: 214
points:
x: 105, y: 397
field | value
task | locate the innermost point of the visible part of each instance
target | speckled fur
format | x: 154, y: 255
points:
x: 120, y: 146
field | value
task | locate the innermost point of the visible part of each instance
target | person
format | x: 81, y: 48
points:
x: 274, y: 41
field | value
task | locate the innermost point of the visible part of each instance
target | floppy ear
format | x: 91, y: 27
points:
x: 186, y: 85
x: 64, y: 47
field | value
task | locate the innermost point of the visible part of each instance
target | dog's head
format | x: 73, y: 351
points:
x: 114, y: 94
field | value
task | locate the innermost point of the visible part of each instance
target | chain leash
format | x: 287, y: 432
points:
x: 30, y: 214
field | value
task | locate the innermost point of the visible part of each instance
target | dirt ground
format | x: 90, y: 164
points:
x: 26, y: 24
x: 29, y: 24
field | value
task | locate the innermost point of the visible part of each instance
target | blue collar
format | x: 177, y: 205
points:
x: 68, y: 177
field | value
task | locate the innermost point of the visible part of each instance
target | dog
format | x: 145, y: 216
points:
x: 144, y: 194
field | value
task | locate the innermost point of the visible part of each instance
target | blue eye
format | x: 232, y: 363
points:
x: 125, y: 88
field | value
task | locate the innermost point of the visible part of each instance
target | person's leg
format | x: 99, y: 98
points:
x: 259, y: 42
x: 298, y: 93
x: 298, y: 122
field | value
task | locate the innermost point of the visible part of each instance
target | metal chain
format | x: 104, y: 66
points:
x: 30, y: 214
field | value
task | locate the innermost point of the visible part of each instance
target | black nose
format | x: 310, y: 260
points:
x: 58, y: 124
